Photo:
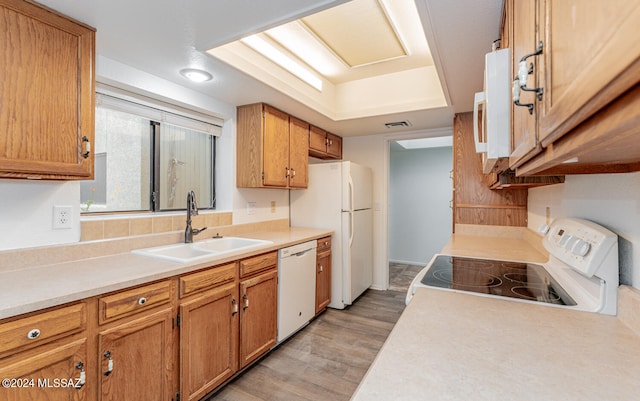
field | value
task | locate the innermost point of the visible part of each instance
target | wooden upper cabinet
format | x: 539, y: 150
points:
x: 334, y: 146
x: 299, y: 153
x: 324, y: 145
x: 588, y: 117
x: 47, y: 73
x: 591, y: 56
x: 524, y: 139
x: 317, y: 141
x: 269, y: 155
x: 275, y: 151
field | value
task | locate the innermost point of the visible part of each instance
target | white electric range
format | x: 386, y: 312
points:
x: 582, y: 272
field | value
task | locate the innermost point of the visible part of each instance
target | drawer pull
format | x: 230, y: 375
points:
x: 142, y: 301
x: 33, y: 334
x: 107, y: 354
x: 246, y: 301
x: 83, y: 376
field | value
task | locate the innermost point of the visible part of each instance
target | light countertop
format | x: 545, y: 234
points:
x: 457, y: 346
x: 454, y: 346
x: 46, y: 285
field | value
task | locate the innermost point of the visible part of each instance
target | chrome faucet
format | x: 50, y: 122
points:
x: 192, y: 210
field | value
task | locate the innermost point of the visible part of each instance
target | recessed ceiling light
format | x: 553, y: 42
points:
x: 265, y: 48
x: 196, y: 75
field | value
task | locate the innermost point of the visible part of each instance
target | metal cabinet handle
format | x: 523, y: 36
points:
x: 287, y: 172
x: 321, y: 269
x: 246, y: 301
x: 524, y: 71
x: 83, y: 376
x: 234, y: 307
x: 87, y: 147
x: 107, y: 354
x: 516, y: 96
x: 33, y: 334
x: 293, y: 172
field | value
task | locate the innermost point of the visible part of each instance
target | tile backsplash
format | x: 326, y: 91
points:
x: 108, y: 228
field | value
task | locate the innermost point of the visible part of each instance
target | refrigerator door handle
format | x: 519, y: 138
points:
x: 351, y: 194
x: 351, y: 230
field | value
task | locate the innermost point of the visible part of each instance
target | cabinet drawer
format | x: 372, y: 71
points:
x: 258, y: 263
x: 129, y: 302
x: 43, y: 327
x: 209, y: 278
x: 324, y: 244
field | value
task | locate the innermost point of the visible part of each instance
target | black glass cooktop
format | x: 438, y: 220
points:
x: 496, y: 277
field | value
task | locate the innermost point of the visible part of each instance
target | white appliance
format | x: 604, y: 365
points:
x: 581, y: 273
x: 493, y: 141
x: 296, y: 287
x: 339, y: 198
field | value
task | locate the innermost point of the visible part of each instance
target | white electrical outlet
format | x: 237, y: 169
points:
x: 62, y: 217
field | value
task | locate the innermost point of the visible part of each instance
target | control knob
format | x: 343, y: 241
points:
x: 581, y: 248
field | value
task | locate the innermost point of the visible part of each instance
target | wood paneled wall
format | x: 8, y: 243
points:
x: 474, y: 201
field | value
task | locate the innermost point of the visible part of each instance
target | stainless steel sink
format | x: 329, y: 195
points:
x: 201, y: 250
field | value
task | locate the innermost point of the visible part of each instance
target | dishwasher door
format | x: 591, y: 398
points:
x: 296, y: 287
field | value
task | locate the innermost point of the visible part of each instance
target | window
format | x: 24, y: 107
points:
x: 148, y: 155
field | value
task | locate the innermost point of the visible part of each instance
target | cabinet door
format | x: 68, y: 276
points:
x: 323, y: 280
x: 591, y: 56
x: 208, y: 341
x: 275, y: 150
x: 298, y: 153
x: 317, y: 140
x: 44, y: 371
x: 334, y: 146
x: 136, y: 359
x: 47, y: 92
x: 258, y: 316
x: 524, y: 140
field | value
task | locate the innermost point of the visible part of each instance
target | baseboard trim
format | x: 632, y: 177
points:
x: 408, y: 262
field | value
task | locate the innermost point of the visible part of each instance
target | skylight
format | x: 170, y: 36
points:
x: 437, y: 142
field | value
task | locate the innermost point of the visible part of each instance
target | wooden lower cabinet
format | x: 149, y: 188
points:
x: 323, y: 274
x: 136, y: 359
x: 208, y: 340
x: 258, y: 315
x: 47, y: 373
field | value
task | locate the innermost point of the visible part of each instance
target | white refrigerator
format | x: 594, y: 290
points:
x: 339, y: 198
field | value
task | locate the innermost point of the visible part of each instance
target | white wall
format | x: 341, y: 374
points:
x: 419, y: 194
x: 26, y: 213
x: 26, y: 207
x: 373, y: 151
x: 611, y: 200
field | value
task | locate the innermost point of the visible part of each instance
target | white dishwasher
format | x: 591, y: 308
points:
x: 296, y: 287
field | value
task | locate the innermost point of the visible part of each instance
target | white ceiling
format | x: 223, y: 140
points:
x: 163, y: 36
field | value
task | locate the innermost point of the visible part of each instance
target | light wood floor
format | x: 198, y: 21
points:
x: 327, y: 359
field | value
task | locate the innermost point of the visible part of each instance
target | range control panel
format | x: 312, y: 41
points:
x: 581, y: 244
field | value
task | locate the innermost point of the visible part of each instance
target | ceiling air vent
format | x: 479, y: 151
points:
x: 398, y: 124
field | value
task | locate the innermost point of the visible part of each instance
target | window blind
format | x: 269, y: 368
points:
x: 157, y: 110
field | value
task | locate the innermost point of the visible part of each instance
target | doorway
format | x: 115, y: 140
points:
x: 420, y: 215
